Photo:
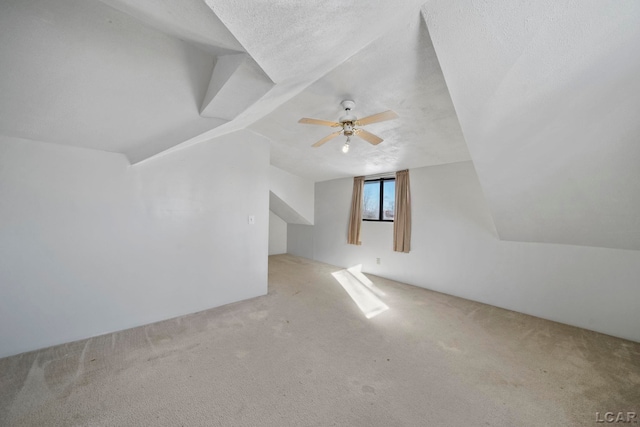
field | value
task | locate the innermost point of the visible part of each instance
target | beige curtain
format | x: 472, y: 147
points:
x: 402, y: 216
x: 355, y: 219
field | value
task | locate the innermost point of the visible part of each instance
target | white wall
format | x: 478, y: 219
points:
x: 277, y: 235
x: 300, y: 240
x: 90, y: 245
x: 455, y: 250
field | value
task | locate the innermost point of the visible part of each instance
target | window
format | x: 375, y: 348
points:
x: 379, y: 199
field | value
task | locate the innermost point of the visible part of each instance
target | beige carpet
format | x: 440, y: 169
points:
x: 305, y: 355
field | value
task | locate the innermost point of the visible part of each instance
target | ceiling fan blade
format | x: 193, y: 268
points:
x: 318, y: 122
x: 327, y: 138
x: 375, y: 118
x: 368, y: 136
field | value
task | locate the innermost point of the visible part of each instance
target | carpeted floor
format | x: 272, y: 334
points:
x: 305, y: 355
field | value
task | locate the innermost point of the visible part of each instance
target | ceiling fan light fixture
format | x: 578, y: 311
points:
x: 345, y: 147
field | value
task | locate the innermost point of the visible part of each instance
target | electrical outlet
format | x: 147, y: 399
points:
x: 377, y: 260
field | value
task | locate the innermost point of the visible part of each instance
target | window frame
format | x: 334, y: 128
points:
x: 381, y: 199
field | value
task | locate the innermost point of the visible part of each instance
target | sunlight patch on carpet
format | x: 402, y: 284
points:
x: 362, y: 291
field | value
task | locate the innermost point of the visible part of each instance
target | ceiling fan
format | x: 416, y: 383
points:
x: 350, y: 125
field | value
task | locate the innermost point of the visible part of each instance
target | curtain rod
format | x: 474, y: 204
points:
x: 381, y: 175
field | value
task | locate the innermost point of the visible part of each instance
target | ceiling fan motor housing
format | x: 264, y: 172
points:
x: 348, y: 118
x: 348, y: 104
x: 347, y: 127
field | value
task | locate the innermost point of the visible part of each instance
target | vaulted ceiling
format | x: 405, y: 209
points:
x: 542, y: 96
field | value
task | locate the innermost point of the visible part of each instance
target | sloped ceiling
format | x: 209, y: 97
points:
x: 84, y: 74
x: 542, y: 96
x: 190, y: 20
x: 548, y: 97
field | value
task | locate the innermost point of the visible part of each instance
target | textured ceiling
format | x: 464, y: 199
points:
x: 292, y: 40
x: 397, y: 71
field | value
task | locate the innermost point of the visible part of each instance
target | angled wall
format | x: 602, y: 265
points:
x: 237, y: 82
x: 291, y: 197
x: 291, y: 203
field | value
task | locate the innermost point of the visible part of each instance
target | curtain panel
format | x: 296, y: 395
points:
x: 402, y: 216
x: 355, y: 219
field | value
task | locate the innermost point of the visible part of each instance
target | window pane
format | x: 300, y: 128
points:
x: 389, y: 199
x: 371, y: 202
